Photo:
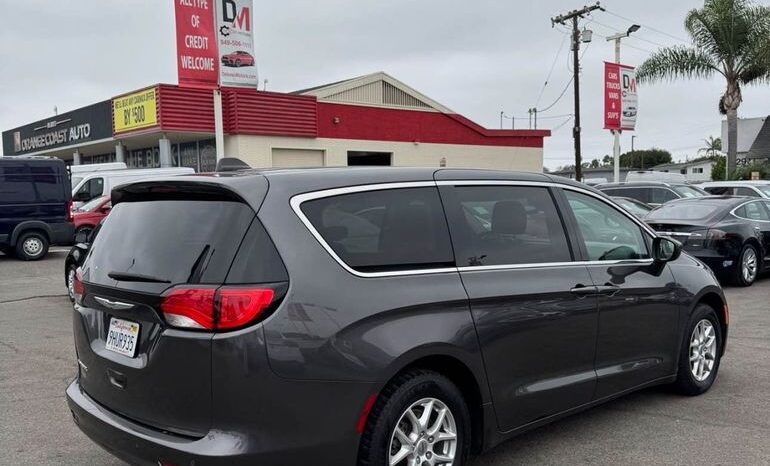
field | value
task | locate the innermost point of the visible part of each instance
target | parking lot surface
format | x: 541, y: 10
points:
x: 728, y: 425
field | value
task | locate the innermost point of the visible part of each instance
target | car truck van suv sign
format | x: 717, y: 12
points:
x: 620, y: 98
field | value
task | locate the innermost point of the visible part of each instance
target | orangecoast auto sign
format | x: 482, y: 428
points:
x: 235, y: 39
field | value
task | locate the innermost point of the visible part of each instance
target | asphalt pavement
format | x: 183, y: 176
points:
x: 728, y: 425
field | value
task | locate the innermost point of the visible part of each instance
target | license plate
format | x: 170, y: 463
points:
x: 123, y: 337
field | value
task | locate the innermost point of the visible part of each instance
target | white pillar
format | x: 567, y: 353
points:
x: 219, y: 126
x: 120, y: 152
x: 165, y: 152
x: 616, y: 146
x: 76, y: 158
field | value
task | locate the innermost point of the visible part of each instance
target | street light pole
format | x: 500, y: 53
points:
x: 616, y: 133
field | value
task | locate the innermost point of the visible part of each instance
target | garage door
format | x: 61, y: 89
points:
x: 292, y: 158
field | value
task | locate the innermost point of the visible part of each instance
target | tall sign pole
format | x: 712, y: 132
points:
x: 574, y: 16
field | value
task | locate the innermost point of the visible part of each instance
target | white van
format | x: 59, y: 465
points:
x: 88, y: 186
x: 97, y: 167
x: 651, y: 175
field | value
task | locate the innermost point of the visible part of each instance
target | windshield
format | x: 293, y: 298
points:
x: 689, y: 191
x: 765, y: 189
x: 91, y: 205
x: 684, y: 211
x: 633, y: 207
x: 76, y: 181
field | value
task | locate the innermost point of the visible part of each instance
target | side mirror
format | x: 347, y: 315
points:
x: 666, y: 249
x: 81, y: 237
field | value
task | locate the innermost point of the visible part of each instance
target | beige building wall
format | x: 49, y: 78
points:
x: 258, y: 152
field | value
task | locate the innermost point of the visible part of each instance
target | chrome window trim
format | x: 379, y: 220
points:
x: 297, y: 200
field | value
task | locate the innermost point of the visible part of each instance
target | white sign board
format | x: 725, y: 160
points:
x: 629, y: 98
x: 235, y: 37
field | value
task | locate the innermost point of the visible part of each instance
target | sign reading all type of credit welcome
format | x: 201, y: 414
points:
x: 135, y: 111
x: 196, y: 48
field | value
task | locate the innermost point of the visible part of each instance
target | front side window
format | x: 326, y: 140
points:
x: 501, y: 225
x: 387, y: 230
x: 748, y: 192
x: 607, y: 233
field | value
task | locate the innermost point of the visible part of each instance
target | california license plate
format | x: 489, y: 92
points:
x: 123, y: 337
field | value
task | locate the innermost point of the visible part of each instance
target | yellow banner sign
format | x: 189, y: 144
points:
x: 135, y: 111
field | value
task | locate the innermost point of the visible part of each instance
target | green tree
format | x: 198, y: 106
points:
x: 647, y: 158
x: 712, y: 146
x: 608, y: 161
x: 718, y: 169
x: 730, y: 38
x: 595, y: 163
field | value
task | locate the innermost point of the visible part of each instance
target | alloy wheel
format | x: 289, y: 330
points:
x: 749, y: 265
x: 425, y: 435
x: 71, y: 282
x: 703, y: 346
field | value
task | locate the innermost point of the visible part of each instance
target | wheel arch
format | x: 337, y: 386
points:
x: 716, y: 301
x: 458, y: 372
x: 29, y: 226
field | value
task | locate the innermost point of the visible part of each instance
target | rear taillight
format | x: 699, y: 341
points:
x: 77, y: 286
x: 70, y: 216
x: 224, y: 308
x: 704, y: 238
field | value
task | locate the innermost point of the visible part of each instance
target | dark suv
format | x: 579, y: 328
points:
x: 654, y: 193
x: 35, y: 206
x: 373, y: 316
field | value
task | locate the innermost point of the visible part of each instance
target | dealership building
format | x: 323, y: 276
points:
x: 369, y: 120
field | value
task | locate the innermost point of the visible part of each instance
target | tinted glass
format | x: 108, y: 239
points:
x: 633, y: 207
x: 173, y: 241
x: 257, y: 260
x: 48, y: 188
x: 498, y: 225
x: 16, y: 186
x: 688, y: 191
x: 661, y: 195
x: 741, y: 191
x: 752, y: 211
x: 689, y: 210
x: 395, y: 229
x: 719, y: 190
x: 608, y: 234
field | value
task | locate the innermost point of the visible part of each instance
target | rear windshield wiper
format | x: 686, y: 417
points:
x: 135, y: 277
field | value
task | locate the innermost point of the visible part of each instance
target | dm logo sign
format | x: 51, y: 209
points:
x: 235, y: 40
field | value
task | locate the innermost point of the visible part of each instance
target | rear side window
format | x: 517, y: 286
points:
x: 16, y: 186
x: 753, y: 211
x: 741, y: 191
x: 257, y: 260
x: 719, y: 190
x: 388, y: 230
x: 662, y: 195
x: 500, y: 225
x: 172, y: 242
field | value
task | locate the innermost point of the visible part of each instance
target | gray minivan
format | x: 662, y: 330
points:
x: 373, y: 316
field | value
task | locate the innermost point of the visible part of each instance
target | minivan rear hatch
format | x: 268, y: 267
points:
x: 155, y: 238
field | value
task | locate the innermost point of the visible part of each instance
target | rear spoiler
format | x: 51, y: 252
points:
x: 173, y: 190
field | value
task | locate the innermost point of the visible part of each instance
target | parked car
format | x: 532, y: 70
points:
x: 324, y: 316
x: 237, y: 59
x: 738, y: 188
x: 638, y: 208
x: 654, y: 193
x: 97, y: 167
x: 35, y: 206
x: 653, y: 175
x: 87, y: 216
x: 75, y: 258
x: 89, y: 186
x: 731, y: 234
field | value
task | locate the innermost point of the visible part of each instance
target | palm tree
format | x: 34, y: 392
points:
x: 712, y: 146
x: 730, y: 38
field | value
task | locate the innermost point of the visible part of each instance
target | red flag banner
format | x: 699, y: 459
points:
x: 196, y: 44
x: 620, y: 98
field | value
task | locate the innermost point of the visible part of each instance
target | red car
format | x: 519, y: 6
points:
x: 237, y: 59
x: 91, y: 213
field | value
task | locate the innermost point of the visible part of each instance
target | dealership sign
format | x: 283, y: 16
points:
x: 135, y: 111
x: 196, y: 48
x: 87, y: 124
x: 620, y: 98
x: 235, y: 35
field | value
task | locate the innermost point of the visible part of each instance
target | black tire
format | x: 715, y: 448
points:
x: 738, y: 277
x: 70, y: 270
x: 405, y: 390
x: 687, y: 383
x: 31, y: 246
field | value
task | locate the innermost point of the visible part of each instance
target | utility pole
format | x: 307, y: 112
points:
x: 574, y: 16
x: 616, y: 145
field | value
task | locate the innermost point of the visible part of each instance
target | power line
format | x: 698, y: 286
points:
x: 646, y: 26
x: 635, y: 36
x: 550, y: 72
